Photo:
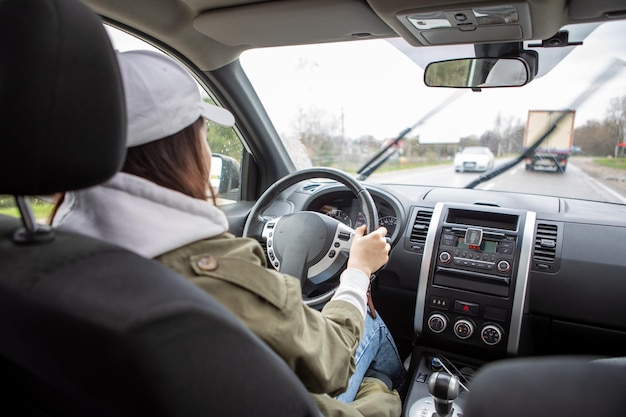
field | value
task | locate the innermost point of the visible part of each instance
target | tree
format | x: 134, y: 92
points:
x: 315, y: 129
x: 223, y: 140
x: 600, y: 137
x: 411, y: 148
x: 506, y: 137
x: 595, y: 138
x: 616, y: 119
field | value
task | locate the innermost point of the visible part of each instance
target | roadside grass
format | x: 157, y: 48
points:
x: 616, y: 163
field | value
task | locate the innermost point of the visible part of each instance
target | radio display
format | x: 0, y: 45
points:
x: 488, y: 246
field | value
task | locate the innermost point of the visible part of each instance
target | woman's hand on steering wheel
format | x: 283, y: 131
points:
x: 369, y: 252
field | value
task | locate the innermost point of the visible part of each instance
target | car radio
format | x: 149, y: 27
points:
x: 477, y: 253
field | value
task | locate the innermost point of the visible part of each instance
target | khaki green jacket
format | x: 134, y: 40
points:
x: 318, y: 347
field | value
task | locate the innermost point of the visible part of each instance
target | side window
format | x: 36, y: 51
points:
x: 42, y: 209
x: 225, y: 144
x: 227, y: 152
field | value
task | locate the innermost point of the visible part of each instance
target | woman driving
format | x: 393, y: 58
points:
x: 157, y: 206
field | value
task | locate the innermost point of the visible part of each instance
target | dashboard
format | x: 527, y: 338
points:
x: 547, y: 276
x: 475, y: 276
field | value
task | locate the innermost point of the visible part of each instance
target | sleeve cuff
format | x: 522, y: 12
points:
x: 353, y: 289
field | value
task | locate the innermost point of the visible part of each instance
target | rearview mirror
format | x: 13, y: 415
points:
x: 478, y: 73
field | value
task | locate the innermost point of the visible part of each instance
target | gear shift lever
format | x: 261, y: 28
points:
x: 444, y: 388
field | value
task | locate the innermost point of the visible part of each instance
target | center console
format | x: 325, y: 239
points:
x: 472, y: 290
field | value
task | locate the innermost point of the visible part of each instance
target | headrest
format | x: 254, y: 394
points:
x: 61, y: 98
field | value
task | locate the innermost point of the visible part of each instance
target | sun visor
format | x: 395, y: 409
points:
x: 292, y: 22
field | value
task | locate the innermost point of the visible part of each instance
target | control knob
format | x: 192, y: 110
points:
x: 503, y: 266
x: 445, y: 257
x: 463, y: 328
x: 491, y: 334
x: 437, y: 322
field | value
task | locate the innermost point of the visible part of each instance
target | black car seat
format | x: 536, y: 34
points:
x: 547, y: 387
x: 87, y: 328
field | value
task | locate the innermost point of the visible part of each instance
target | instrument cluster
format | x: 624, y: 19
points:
x: 347, y: 210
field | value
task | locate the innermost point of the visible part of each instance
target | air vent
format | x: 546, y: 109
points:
x: 420, y: 230
x: 546, y: 249
x: 545, y: 243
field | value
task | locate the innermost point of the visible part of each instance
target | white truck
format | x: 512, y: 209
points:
x: 554, y: 151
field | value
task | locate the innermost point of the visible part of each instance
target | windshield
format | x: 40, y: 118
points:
x: 339, y: 104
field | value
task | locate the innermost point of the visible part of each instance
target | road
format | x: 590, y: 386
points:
x: 574, y: 183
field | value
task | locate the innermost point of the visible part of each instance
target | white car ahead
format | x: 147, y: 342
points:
x: 473, y: 158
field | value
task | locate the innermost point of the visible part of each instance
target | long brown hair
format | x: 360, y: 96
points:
x: 178, y: 162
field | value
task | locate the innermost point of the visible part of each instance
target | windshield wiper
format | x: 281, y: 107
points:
x: 609, y: 72
x: 386, y: 152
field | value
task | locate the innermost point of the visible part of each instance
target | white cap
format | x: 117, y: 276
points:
x: 162, y: 98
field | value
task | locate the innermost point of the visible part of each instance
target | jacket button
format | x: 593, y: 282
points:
x: 208, y: 263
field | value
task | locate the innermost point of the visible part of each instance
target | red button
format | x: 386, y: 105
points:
x: 466, y: 308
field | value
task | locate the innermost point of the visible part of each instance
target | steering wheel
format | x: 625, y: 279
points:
x: 308, y: 245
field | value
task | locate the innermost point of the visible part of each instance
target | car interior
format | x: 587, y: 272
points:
x: 510, y: 301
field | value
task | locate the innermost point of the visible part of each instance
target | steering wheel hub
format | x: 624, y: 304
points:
x: 315, y: 253
x: 304, y: 234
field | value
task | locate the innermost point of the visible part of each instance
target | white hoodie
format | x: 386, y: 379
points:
x: 139, y: 215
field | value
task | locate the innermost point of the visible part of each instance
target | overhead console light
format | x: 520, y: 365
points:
x: 426, y: 21
x: 465, y: 19
x: 496, y: 15
x: 505, y: 23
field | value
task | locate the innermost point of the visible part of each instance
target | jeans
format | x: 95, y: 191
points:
x: 377, y: 351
